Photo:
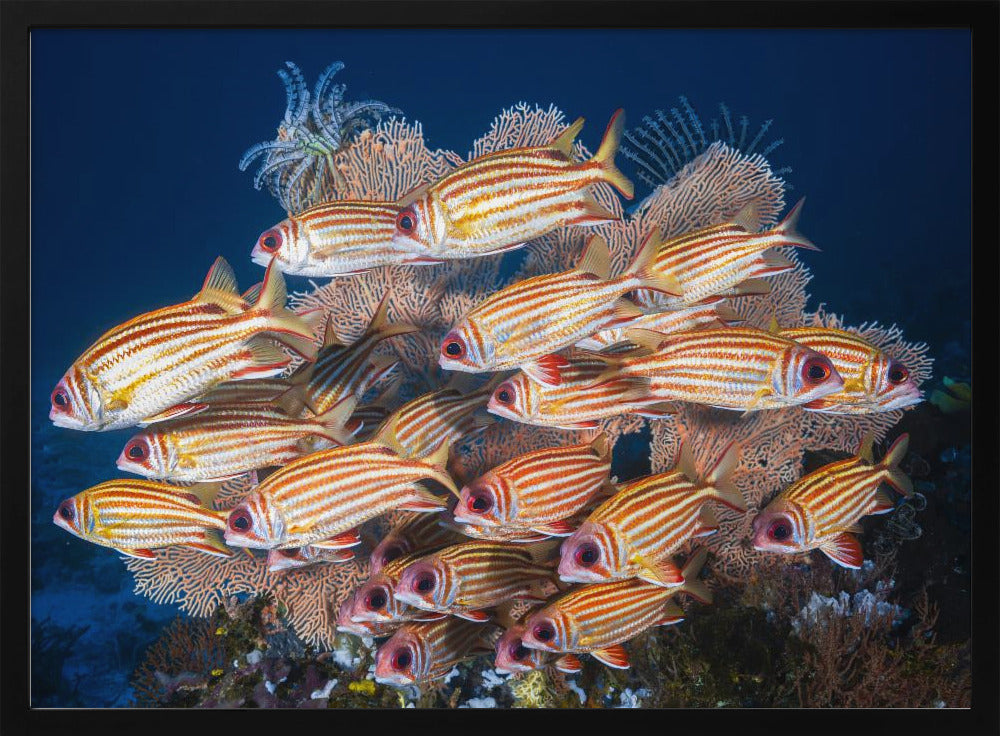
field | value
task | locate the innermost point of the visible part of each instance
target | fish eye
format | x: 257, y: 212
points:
x: 587, y: 554
x: 405, y: 221
x: 66, y: 510
x: 479, y: 502
x: 60, y: 398
x: 239, y: 520
x: 779, y: 531
x: 898, y: 374
x: 289, y: 551
x: 454, y: 346
x: 425, y: 582
x: 270, y: 241
x: 401, y: 659
x: 544, y: 632
x: 136, y: 449
x: 816, y: 370
x: 505, y: 394
x: 375, y: 600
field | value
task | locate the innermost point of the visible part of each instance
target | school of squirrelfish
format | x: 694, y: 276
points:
x: 594, y: 560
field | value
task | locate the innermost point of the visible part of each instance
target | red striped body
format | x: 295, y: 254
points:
x: 137, y: 516
x: 707, y: 314
x: 333, y: 239
x: 421, y: 426
x: 504, y: 199
x: 360, y: 628
x: 170, y: 355
x: 414, y: 533
x: 257, y: 390
x: 423, y: 652
x: 463, y: 579
x: 327, y: 493
x: 538, y: 488
x: 737, y: 368
x: 872, y: 380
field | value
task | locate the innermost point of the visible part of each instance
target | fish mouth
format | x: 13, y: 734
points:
x: 497, y: 409
x: 65, y: 421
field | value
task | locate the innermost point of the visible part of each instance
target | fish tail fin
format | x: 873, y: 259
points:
x: 605, y: 157
x: 720, y: 479
x: 894, y: 476
x: 788, y: 229
x: 645, y: 268
x: 692, y: 585
x: 288, y: 328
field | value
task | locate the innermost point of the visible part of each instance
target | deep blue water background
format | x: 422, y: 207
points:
x: 135, y: 190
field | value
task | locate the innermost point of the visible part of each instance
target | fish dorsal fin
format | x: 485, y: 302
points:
x: 601, y: 446
x: 685, y: 463
x: 220, y: 287
x: 646, y: 339
x: 747, y: 218
x: 413, y: 195
x: 564, y: 141
x: 865, y: 451
x: 596, y: 258
x: 330, y: 337
x: 772, y: 326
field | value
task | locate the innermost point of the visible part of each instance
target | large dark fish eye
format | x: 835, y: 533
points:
x: 60, y: 399
x: 136, y: 450
x: 425, y: 582
x: 401, y: 659
x: 816, y: 370
x: 587, y: 554
x: 405, y: 221
x: 479, y: 502
x: 505, y: 394
x: 375, y: 600
x: 454, y: 346
x: 779, y: 531
x: 270, y: 241
x: 66, y: 510
x: 544, y: 632
x: 898, y: 374
x: 239, y: 520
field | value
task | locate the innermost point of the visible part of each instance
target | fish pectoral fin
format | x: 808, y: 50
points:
x: 569, y: 663
x: 613, y: 656
x: 658, y: 572
x: 142, y: 554
x: 759, y: 396
x: 546, y: 370
x: 477, y: 616
x: 844, y: 549
x: 853, y: 386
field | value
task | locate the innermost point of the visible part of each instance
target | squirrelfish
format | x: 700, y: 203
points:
x: 540, y: 315
x: 539, y: 490
x: 282, y: 392
x: 463, y: 579
x: 597, y: 618
x: 713, y: 260
x: 713, y: 312
x: 229, y: 440
x: 321, y: 498
x: 374, y: 599
x: 145, y: 369
x: 635, y: 532
x: 576, y: 402
x: 423, y: 652
x: 413, y: 533
x: 364, y: 629
x: 291, y: 558
x: 821, y: 510
x: 502, y: 200
x: 335, y: 239
x: 137, y: 516
x: 343, y: 371
x: 513, y: 656
x: 738, y: 368
x: 873, y: 381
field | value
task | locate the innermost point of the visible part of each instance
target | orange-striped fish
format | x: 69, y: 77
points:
x: 576, y: 402
x: 374, y: 599
x: 415, y: 532
x: 873, y: 381
x: 738, y: 368
x: 364, y: 629
x: 135, y: 517
x: 295, y: 557
x: 715, y: 259
x: 285, y: 392
x: 502, y: 200
x: 145, y: 369
x: 321, y: 498
x: 530, y: 319
x: 713, y: 312
x: 423, y: 652
x: 343, y: 371
x: 634, y: 533
x: 463, y: 579
x: 539, y: 490
x: 336, y: 239
x: 821, y: 510
x: 597, y: 618
x: 513, y: 656
x: 441, y: 417
x: 213, y: 444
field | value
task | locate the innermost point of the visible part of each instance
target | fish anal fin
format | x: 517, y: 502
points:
x: 476, y: 616
x: 659, y: 572
x: 142, y: 554
x: 882, y: 504
x: 613, y: 656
